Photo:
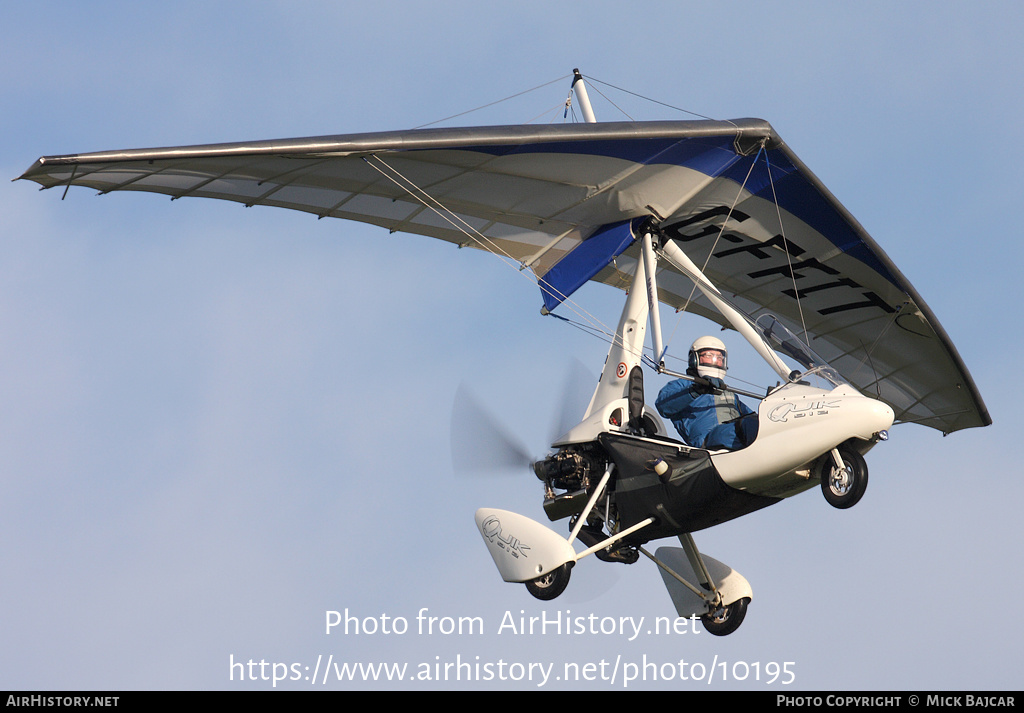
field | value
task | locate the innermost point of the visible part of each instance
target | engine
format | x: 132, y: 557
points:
x: 570, y: 470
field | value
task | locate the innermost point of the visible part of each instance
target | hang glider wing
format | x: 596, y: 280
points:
x: 559, y: 200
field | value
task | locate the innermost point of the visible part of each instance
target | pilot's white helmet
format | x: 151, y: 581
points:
x: 708, y: 357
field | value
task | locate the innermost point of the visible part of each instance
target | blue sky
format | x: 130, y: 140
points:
x: 217, y: 424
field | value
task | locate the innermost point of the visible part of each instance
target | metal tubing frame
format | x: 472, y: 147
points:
x: 581, y: 520
x: 591, y: 502
x: 688, y: 377
x: 696, y: 561
x: 671, y: 252
x: 650, y: 268
x: 710, y: 601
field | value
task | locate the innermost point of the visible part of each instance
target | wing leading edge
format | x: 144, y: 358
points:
x: 555, y: 199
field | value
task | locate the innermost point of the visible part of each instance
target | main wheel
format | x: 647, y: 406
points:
x: 844, y: 487
x: 727, y: 619
x: 550, y: 585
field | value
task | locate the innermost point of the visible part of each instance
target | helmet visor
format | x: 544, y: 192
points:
x: 714, y: 358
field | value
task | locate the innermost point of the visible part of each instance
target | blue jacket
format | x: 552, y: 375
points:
x: 699, y: 414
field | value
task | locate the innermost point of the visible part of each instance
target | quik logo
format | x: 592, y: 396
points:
x: 491, y: 530
x: 783, y: 412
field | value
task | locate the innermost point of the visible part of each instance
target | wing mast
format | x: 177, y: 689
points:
x: 579, y: 87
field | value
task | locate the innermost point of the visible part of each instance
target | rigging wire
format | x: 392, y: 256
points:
x: 717, y: 239
x: 785, y: 249
x: 552, y: 110
x: 436, y: 206
x: 452, y: 218
x: 607, y: 99
x: 489, y: 104
x: 866, y: 359
x: 653, y: 101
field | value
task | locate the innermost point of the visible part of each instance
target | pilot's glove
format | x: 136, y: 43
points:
x: 709, y: 384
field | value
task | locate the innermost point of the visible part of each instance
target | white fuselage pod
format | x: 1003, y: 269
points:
x: 796, y: 425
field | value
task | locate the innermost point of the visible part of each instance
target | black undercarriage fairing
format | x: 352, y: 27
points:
x: 688, y: 497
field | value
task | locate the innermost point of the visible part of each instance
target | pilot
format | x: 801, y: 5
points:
x: 704, y: 413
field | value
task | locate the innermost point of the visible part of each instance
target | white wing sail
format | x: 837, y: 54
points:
x: 559, y: 201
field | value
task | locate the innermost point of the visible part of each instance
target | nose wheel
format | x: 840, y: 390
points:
x: 844, y: 478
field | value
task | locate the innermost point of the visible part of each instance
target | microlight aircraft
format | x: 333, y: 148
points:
x: 719, y: 218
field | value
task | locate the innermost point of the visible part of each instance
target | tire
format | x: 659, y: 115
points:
x: 844, y: 489
x: 727, y: 619
x: 550, y: 585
